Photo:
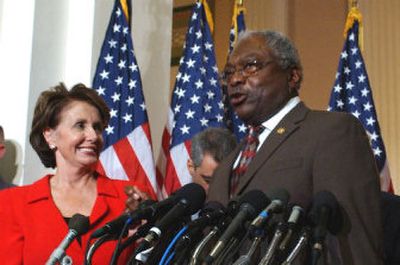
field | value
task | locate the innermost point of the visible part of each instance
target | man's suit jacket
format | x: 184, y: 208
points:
x: 5, y: 185
x: 391, y: 227
x: 310, y: 151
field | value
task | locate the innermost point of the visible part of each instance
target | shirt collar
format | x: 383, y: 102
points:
x: 272, y: 122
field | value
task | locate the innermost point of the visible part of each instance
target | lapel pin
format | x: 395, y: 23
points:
x: 281, y: 130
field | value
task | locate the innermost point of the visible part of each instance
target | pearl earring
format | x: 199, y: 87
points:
x: 52, y: 147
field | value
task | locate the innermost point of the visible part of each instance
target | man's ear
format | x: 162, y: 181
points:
x: 294, y: 78
x: 190, y: 166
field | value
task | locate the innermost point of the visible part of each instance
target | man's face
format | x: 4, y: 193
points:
x: 203, y: 173
x: 2, y: 148
x: 259, y: 95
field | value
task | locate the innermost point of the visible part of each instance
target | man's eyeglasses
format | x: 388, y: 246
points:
x: 249, y: 69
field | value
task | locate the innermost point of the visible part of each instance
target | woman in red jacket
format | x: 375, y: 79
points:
x: 66, y: 133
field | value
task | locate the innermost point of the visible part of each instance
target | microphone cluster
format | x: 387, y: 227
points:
x: 254, y: 228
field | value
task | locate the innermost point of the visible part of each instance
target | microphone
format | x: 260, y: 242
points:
x: 146, y: 210
x: 292, y: 223
x: 269, y: 255
x: 303, y: 240
x: 325, y: 216
x: 78, y: 225
x: 279, y: 199
x: 211, y: 213
x: 206, y: 243
x: 189, y: 200
x: 250, y: 204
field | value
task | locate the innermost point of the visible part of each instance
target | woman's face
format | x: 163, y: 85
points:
x: 78, y: 136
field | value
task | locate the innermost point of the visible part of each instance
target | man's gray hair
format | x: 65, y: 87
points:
x: 281, y: 46
x: 217, y: 142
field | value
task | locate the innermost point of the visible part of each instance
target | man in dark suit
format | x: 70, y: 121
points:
x: 301, y: 150
x: 208, y: 149
x: 3, y: 184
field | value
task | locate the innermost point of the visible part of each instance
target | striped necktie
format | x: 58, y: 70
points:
x: 249, y: 150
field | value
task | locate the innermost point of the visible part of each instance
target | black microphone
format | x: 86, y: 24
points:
x: 250, y: 203
x: 211, y: 214
x: 78, y: 225
x: 279, y: 199
x: 190, y: 199
x: 146, y: 210
x: 205, y: 244
x: 325, y: 216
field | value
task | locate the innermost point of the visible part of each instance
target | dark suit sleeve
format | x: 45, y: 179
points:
x: 344, y: 164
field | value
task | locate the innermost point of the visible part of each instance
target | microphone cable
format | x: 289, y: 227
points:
x: 141, y: 232
x: 87, y: 250
x: 164, y: 258
x: 117, y: 251
x: 92, y: 248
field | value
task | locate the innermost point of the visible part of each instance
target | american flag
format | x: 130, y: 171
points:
x: 352, y: 93
x: 127, y: 150
x: 232, y: 121
x: 196, y: 100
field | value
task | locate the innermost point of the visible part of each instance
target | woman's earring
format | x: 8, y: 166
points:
x: 52, y: 147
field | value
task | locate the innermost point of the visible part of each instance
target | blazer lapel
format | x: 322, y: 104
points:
x: 281, y: 132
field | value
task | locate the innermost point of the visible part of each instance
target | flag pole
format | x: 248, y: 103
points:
x: 353, y: 3
x: 208, y: 15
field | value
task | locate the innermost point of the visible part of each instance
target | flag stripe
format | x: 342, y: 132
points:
x: 142, y: 148
x: 111, y: 164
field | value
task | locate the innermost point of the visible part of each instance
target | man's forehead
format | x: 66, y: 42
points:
x: 248, y: 49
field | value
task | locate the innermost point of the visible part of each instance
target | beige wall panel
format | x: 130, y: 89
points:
x: 262, y: 14
x: 317, y: 29
x: 382, y: 57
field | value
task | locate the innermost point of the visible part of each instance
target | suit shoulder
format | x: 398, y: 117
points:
x: 341, y: 119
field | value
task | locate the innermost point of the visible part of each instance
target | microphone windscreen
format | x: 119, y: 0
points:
x: 328, y: 200
x: 146, y: 203
x: 255, y: 198
x: 212, y: 206
x: 194, y: 194
x: 79, y: 223
x: 279, y: 194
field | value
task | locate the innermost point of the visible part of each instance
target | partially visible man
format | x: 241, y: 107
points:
x: 301, y: 150
x: 208, y: 149
x: 3, y: 184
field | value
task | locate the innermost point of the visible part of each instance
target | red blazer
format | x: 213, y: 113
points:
x: 32, y: 226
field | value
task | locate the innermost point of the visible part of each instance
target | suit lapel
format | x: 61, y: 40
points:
x: 278, y: 136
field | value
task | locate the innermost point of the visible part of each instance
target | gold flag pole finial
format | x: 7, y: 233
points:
x: 237, y: 9
x: 353, y: 15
